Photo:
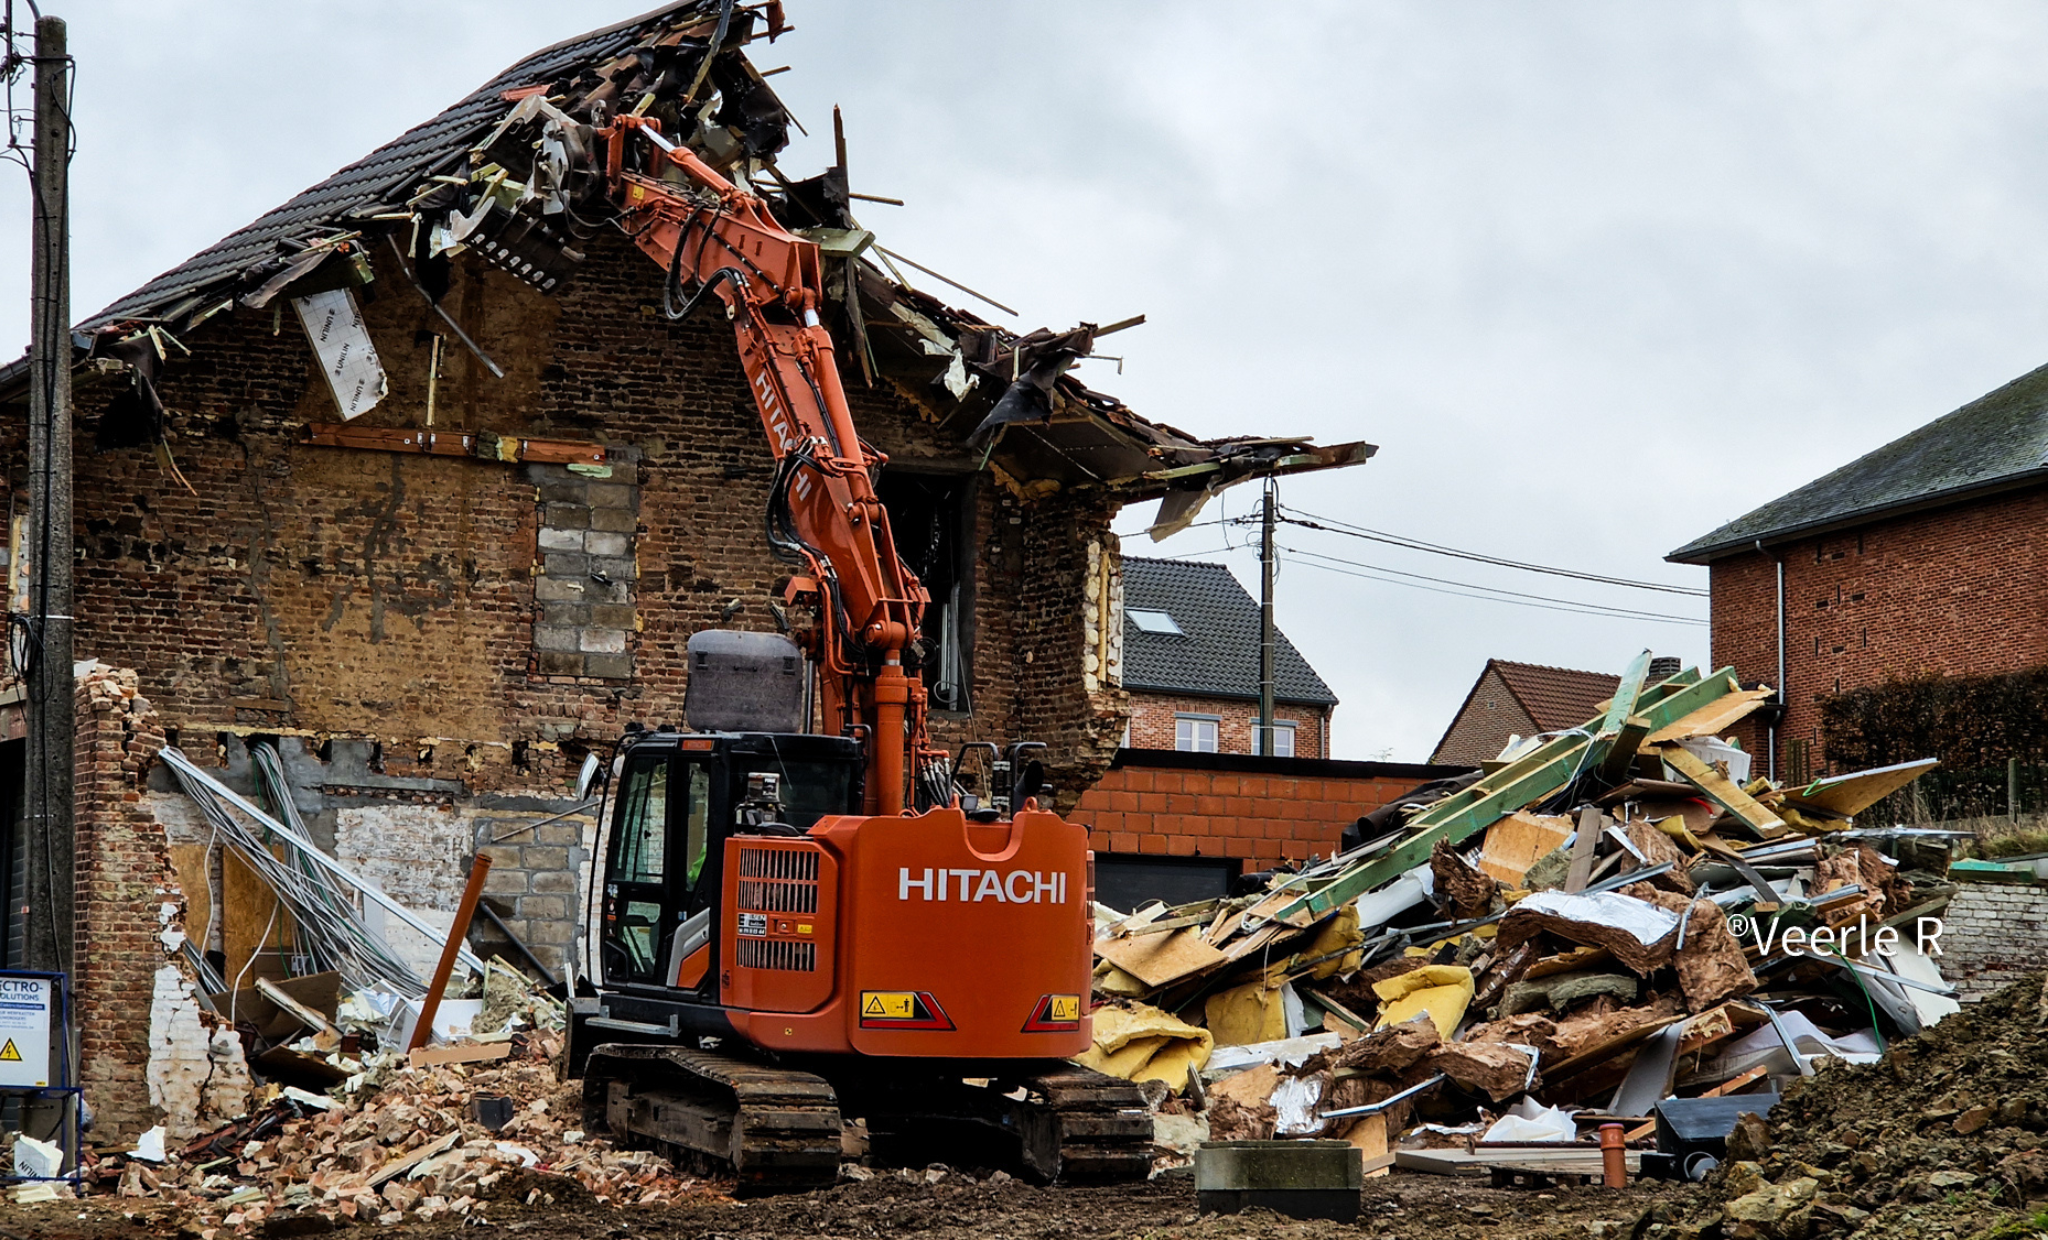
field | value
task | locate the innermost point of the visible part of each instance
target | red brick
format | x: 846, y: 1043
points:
x: 1154, y: 844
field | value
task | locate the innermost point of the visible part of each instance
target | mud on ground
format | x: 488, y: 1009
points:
x: 958, y: 1207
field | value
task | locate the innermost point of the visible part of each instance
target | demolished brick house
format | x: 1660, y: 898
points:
x: 436, y: 608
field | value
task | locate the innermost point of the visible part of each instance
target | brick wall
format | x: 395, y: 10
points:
x: 299, y: 590
x: 124, y: 882
x: 1993, y: 934
x: 1261, y: 810
x: 1955, y: 592
x: 1153, y: 714
x: 1484, y: 723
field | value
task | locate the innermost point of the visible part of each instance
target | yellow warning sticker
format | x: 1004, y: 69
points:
x: 888, y: 1005
x: 803, y: 927
x: 8, y: 1053
x: 1064, y: 1008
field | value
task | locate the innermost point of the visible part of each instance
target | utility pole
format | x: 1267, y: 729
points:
x: 46, y: 802
x: 1266, y: 566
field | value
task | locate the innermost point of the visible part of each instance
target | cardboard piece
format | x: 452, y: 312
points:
x: 1516, y: 842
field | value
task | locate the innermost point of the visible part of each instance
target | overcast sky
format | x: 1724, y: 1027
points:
x: 1596, y: 277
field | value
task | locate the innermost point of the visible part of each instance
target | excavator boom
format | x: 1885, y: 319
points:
x: 710, y: 234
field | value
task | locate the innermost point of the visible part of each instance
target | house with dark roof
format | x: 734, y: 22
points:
x: 1925, y: 557
x: 1191, y: 667
x: 435, y: 587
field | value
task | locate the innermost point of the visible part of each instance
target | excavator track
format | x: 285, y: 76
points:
x: 773, y: 1129
x: 1098, y: 1127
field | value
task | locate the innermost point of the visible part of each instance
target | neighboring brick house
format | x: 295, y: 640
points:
x: 1928, y: 556
x: 1191, y: 666
x: 436, y: 608
x: 1524, y: 699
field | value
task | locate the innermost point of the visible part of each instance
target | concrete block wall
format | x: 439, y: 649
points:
x: 1993, y: 935
x: 583, y: 587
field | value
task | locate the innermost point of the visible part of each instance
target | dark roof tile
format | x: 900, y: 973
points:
x: 1996, y: 441
x: 1217, y: 652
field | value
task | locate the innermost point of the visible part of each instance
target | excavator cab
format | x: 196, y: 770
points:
x: 679, y: 797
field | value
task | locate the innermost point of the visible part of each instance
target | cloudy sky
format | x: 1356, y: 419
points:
x: 1595, y: 276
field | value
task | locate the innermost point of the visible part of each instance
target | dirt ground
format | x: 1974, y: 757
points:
x: 1398, y: 1207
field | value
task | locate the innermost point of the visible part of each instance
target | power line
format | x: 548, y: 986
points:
x: 1493, y: 595
x: 1333, y: 526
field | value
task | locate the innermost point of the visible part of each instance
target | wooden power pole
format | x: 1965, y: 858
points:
x: 1266, y: 566
x: 52, y: 725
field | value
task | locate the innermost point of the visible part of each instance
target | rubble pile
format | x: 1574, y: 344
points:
x: 1597, y: 922
x: 396, y: 1141
x: 1947, y: 1133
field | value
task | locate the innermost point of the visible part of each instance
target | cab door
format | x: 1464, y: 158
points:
x: 658, y: 846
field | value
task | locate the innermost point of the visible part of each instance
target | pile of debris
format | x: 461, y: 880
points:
x: 1597, y: 923
x: 395, y: 1139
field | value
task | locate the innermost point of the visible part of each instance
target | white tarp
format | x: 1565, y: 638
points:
x: 1530, y: 1120
x: 335, y: 326
x: 1647, y: 922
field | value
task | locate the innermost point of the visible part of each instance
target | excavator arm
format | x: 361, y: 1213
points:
x: 717, y: 239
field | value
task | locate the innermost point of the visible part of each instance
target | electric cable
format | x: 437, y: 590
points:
x: 1334, y: 526
x: 1539, y: 602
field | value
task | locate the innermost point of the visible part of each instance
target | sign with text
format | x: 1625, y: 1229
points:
x: 27, y: 1006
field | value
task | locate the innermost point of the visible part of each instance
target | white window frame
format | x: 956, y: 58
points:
x: 1281, y: 727
x: 1187, y: 732
x: 1141, y: 617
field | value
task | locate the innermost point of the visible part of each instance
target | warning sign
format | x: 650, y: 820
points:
x: 888, y: 1005
x: 25, y: 1014
x: 1064, y: 1008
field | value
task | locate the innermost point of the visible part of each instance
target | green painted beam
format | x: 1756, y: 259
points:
x: 1623, y: 703
x: 1528, y: 778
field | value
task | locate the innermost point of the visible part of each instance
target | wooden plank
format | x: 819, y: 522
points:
x: 1721, y: 790
x: 1584, y: 849
x: 482, y: 445
x: 1735, y: 1083
x: 1535, y: 775
x: 1565, y: 1159
x: 465, y: 1052
x: 1621, y: 754
x: 1622, y: 705
x: 1714, y: 718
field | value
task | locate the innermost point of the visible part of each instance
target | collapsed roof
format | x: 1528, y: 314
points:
x: 498, y: 175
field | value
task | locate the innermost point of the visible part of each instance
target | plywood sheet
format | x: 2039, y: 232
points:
x: 247, y: 907
x: 1516, y: 842
x: 1160, y: 959
x: 1852, y: 794
x: 188, y: 862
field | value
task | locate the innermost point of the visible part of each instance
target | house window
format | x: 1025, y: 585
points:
x: 1154, y: 622
x: 1195, y: 733
x: 932, y: 518
x: 1283, y: 736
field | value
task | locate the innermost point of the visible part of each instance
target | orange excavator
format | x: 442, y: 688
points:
x: 802, y: 918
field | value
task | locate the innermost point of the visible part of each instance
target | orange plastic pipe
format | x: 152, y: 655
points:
x: 1613, y: 1157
